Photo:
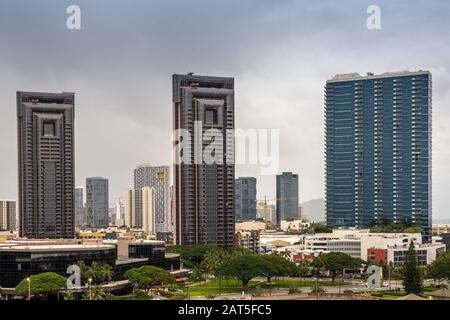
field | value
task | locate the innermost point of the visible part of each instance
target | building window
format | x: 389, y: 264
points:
x: 49, y: 129
x: 211, y: 116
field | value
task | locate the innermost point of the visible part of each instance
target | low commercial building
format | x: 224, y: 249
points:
x: 440, y: 228
x: 266, y: 239
x: 352, y: 247
x: 426, y: 253
x: 20, y: 259
x: 8, y: 235
x: 379, y: 256
x: 345, y: 242
x: 353, y: 242
x: 92, y: 234
x: 305, y: 255
x: 384, y: 240
x: 250, y: 226
x: 293, y: 225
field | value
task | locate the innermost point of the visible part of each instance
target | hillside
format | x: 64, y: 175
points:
x: 314, y: 210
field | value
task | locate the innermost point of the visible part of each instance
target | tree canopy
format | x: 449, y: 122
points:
x: 440, y: 268
x: 192, y: 255
x: 42, y: 284
x: 243, y: 267
x: 276, y: 266
x: 320, y: 228
x: 387, y: 226
x: 336, y: 262
x: 97, y: 272
x: 149, y: 276
x: 412, y: 279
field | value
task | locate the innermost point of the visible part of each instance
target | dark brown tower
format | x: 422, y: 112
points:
x: 204, y: 193
x: 46, y: 164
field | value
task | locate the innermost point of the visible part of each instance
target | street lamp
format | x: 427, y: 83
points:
x: 90, y: 288
x: 29, y: 288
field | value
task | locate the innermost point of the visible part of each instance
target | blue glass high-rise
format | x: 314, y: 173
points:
x: 378, y: 149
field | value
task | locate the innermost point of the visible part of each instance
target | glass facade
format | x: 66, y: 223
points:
x: 97, y: 202
x: 15, y: 265
x: 378, y: 150
x: 245, y: 197
x: 287, y: 196
x: 19, y: 263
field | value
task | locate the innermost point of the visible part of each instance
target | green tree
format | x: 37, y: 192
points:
x: 336, y: 262
x: 96, y: 293
x: 244, y: 268
x: 68, y: 296
x: 277, y: 266
x: 387, y: 226
x: 412, y: 279
x: 320, y: 228
x: 99, y: 273
x: 42, y: 284
x: 317, y: 291
x: 106, y: 273
x: 192, y: 255
x: 303, y: 268
x: 440, y: 268
x: 413, y: 229
x: 149, y: 276
x: 213, y: 260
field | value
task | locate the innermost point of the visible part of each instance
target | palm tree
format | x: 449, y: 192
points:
x: 97, y: 272
x: 69, y: 296
x: 97, y: 293
x: 106, y: 273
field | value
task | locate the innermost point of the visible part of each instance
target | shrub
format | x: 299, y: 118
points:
x: 294, y: 291
x: 317, y: 291
x: 348, y: 291
x: 258, y: 291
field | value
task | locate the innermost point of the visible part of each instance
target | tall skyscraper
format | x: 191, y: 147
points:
x: 378, y: 149
x: 287, y: 196
x: 120, y: 213
x: 245, y: 197
x: 204, y: 191
x: 158, y: 179
x: 140, y: 209
x: 97, y: 202
x: 46, y: 164
x: 79, y: 206
x: 7, y: 215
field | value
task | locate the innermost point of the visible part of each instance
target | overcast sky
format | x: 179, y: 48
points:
x: 280, y: 52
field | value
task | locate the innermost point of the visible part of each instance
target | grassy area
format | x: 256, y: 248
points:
x: 216, y: 286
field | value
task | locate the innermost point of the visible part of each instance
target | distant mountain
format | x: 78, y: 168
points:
x: 314, y: 210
